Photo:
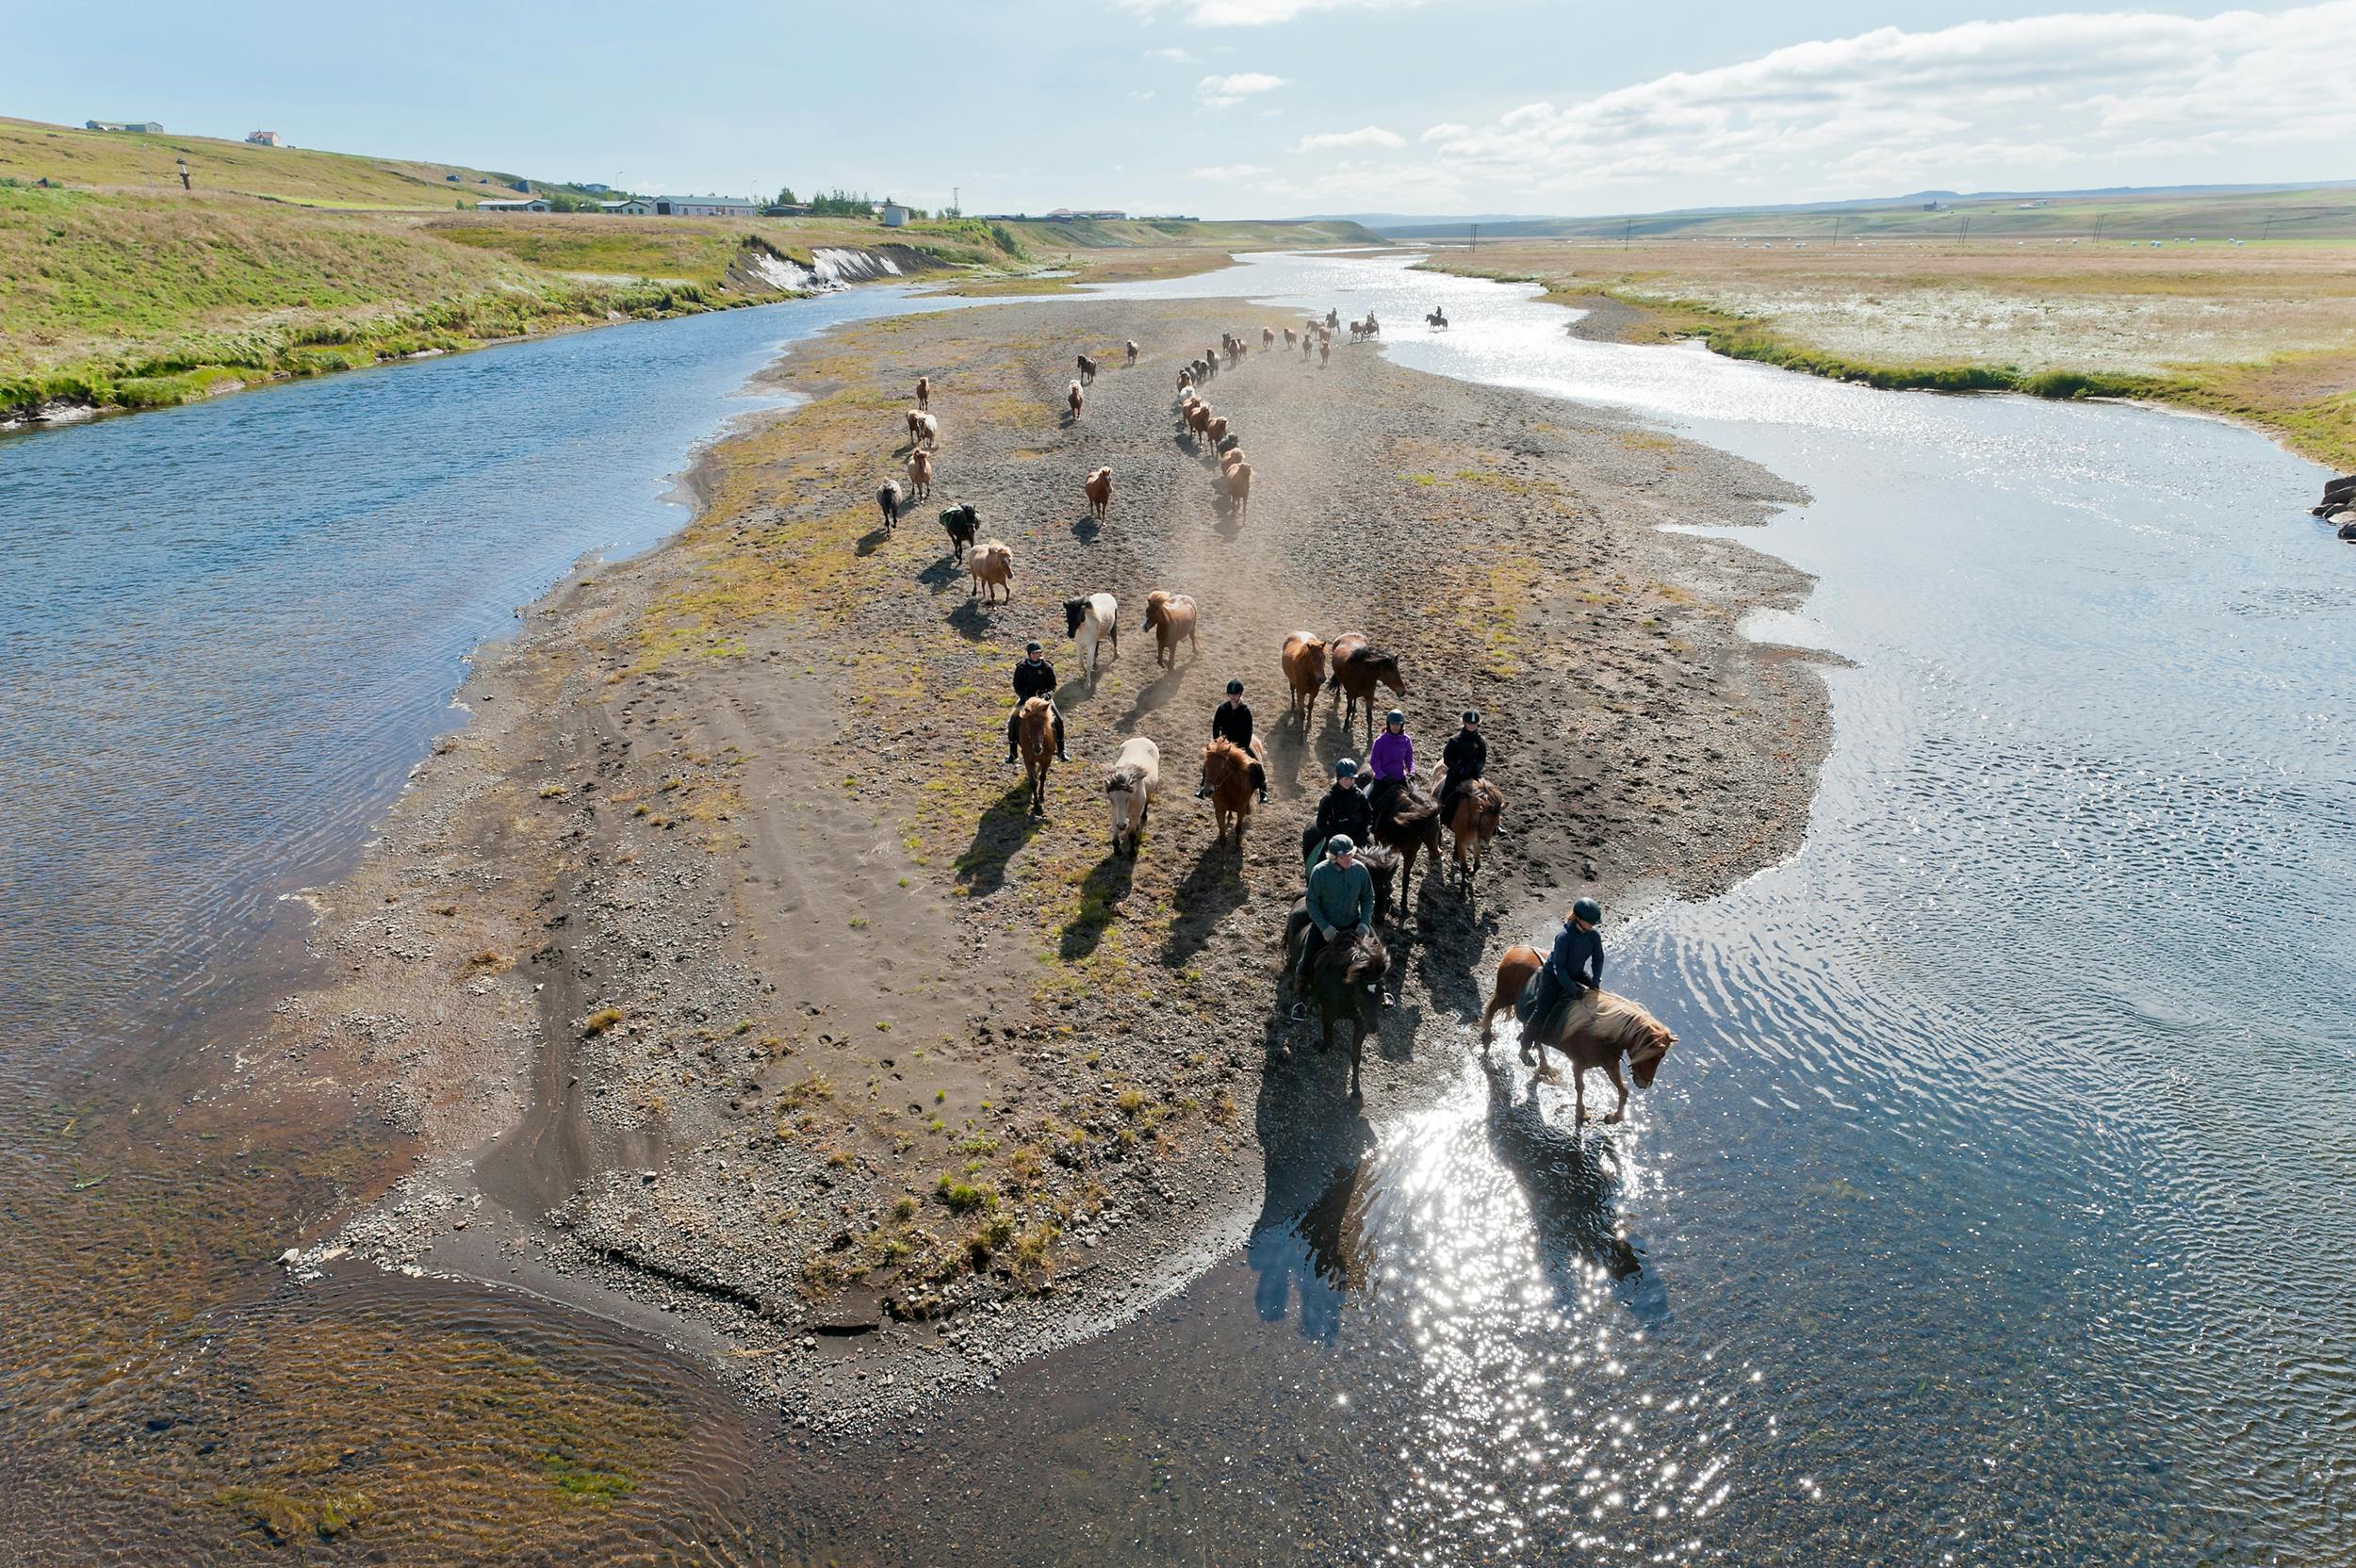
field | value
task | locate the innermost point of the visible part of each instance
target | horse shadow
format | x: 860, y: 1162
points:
x: 1212, y: 889
x: 1100, y: 902
x: 971, y: 620
x: 1572, y: 1183
x: 943, y: 574
x: 1313, y: 1138
x: 872, y: 541
x: 1151, y: 696
x: 1450, y: 967
x: 1004, y: 828
x: 1085, y: 529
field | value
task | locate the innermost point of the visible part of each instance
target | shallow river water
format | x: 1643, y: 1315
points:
x: 1992, y: 1207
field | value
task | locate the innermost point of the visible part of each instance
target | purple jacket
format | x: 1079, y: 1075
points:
x: 1393, y: 757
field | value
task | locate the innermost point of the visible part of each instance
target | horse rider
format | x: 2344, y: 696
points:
x: 1464, y: 758
x: 1233, y: 721
x: 1342, y: 813
x: 1574, y: 968
x: 1392, y: 762
x: 1341, y: 903
x: 1033, y: 676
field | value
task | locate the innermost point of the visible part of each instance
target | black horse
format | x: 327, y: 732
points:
x: 1345, y: 986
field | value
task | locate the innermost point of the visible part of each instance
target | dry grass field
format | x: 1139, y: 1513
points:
x: 2264, y: 332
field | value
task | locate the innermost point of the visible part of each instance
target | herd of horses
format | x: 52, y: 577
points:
x: 1345, y: 985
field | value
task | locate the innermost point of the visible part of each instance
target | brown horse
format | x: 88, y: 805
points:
x: 1227, y: 779
x: 1171, y: 617
x: 1478, y: 806
x: 1304, y: 672
x: 1410, y: 823
x: 1358, y: 669
x: 1598, y: 1029
x: 1035, y: 724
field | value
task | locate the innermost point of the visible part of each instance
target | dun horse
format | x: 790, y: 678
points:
x: 1130, y: 784
x: 1596, y: 1031
x: 1036, y: 728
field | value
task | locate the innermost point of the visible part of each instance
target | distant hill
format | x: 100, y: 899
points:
x: 2214, y: 211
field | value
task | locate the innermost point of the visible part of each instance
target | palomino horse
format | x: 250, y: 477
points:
x: 1304, y: 672
x: 1358, y: 669
x: 1479, y: 804
x: 1035, y: 727
x: 1227, y: 779
x: 1598, y: 1030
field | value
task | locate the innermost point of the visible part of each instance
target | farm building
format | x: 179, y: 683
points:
x: 265, y: 139
x: 704, y: 207
x: 635, y: 207
x: 143, y: 127
x: 894, y: 215
x: 520, y: 203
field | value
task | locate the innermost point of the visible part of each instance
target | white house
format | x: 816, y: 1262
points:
x: 894, y: 215
x: 520, y: 204
x: 265, y: 139
x: 635, y: 206
x: 704, y: 207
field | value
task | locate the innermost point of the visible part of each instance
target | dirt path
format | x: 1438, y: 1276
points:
x: 851, y: 1071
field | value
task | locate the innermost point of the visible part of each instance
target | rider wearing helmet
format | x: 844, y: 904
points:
x: 1343, y: 809
x: 1341, y: 901
x: 1231, y: 721
x: 1571, y: 971
x: 1033, y: 676
x: 1392, y: 762
x: 1464, y: 757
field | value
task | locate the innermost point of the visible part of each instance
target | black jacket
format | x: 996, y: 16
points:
x: 1034, y: 680
x: 1343, y: 810
x: 1467, y: 754
x: 1233, y: 721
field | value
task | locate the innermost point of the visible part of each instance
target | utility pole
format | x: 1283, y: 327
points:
x: 1625, y: 233
x: 1836, y: 230
x: 1967, y: 226
x: 184, y: 175
x: 956, y: 208
x: 2098, y: 226
x: 2267, y: 230
x: 1476, y: 237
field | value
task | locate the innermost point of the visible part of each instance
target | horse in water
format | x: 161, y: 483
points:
x: 1358, y: 669
x: 1596, y: 1030
x: 1437, y: 320
x: 1227, y: 780
x: 1473, y: 819
x: 1346, y: 986
x: 1035, y: 727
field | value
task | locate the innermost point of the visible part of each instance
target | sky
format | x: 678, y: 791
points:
x: 1241, y: 109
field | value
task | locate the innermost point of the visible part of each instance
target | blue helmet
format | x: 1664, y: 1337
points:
x: 1345, y: 768
x: 1588, y: 910
x: 1395, y: 717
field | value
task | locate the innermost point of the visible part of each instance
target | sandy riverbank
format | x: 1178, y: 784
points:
x: 725, y: 988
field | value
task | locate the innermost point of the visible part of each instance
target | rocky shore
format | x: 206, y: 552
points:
x: 722, y: 983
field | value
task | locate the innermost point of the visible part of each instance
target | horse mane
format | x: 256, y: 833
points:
x: 1368, y: 957
x: 1073, y: 610
x: 1126, y: 778
x: 1032, y: 705
x: 1632, y: 1027
x: 1228, y: 752
x: 1378, y: 858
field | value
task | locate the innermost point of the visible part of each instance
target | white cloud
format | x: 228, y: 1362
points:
x: 1252, y: 13
x: 1984, y: 104
x: 1365, y: 136
x: 1175, y: 57
x: 1145, y: 97
x: 1229, y: 173
x: 1218, y: 92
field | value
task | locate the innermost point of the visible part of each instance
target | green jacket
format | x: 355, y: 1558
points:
x: 1339, y: 897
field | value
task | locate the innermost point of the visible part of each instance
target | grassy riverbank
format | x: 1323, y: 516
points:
x: 119, y: 290
x: 2261, y: 333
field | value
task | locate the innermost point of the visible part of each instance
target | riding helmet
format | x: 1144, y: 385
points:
x: 1472, y: 716
x: 1395, y: 717
x: 1235, y: 688
x: 1032, y: 647
x: 1339, y: 844
x: 1345, y: 768
x: 1588, y: 910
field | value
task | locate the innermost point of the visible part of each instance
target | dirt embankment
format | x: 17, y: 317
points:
x: 726, y: 980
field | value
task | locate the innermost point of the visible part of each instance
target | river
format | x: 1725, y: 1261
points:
x: 1991, y: 1208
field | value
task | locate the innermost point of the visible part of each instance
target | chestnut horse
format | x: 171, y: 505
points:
x: 1358, y: 669
x: 1036, y: 728
x: 1170, y: 617
x: 1304, y: 672
x: 1227, y: 779
x: 1410, y: 824
x: 1478, y: 806
x: 1598, y: 1030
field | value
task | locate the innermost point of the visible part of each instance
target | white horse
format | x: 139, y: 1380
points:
x: 1093, y: 620
x: 1130, y: 784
